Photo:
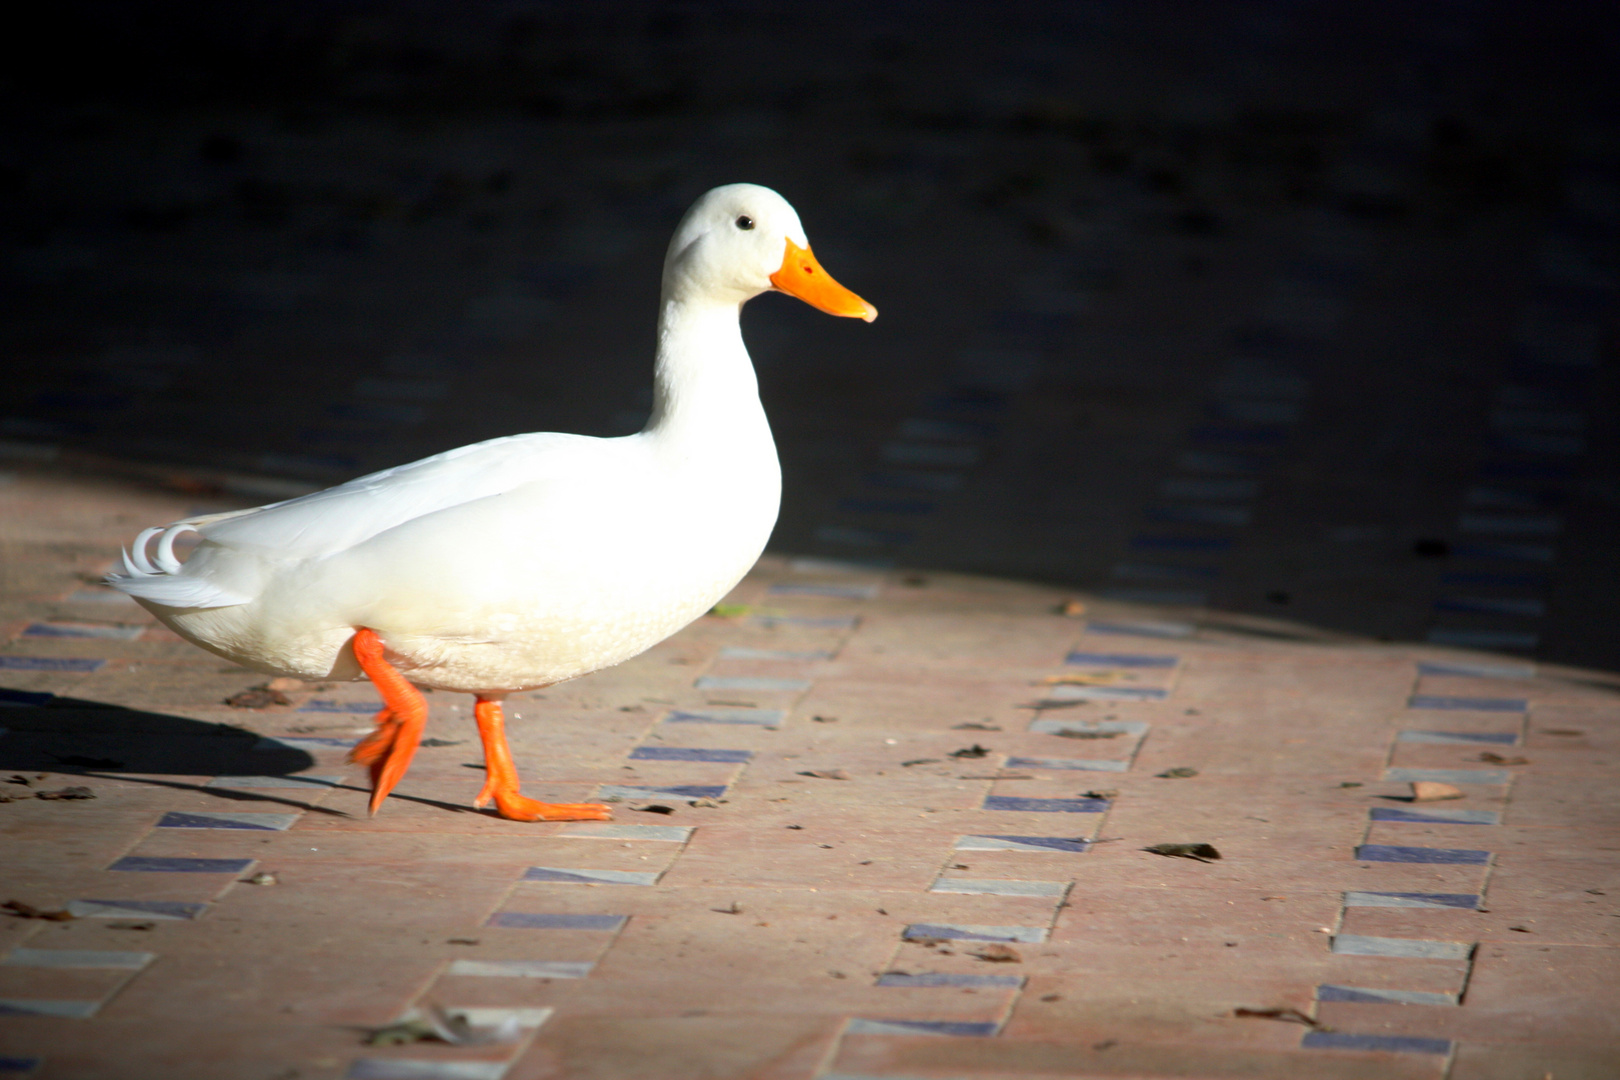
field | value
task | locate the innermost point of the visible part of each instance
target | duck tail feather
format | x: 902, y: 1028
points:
x: 162, y: 579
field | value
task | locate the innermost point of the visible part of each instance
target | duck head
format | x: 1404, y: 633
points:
x: 740, y: 240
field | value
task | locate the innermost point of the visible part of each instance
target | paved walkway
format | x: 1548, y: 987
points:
x: 869, y: 824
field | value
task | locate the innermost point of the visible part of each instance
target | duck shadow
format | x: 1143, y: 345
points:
x: 65, y: 736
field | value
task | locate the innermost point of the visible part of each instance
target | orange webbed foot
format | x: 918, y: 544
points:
x: 389, y: 749
x: 515, y: 807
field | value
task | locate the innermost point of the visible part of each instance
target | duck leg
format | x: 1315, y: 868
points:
x: 390, y: 748
x: 501, y: 778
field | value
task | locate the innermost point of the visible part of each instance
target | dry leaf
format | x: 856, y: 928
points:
x: 1178, y: 773
x: 974, y: 751
x: 1074, y: 609
x: 826, y: 774
x: 1199, y: 852
x: 1434, y: 791
x: 997, y: 954
x: 259, y: 697
x: 29, y: 911
x: 1498, y: 759
x: 75, y: 792
x: 1284, y: 1013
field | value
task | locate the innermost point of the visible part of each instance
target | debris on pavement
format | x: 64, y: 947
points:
x: 1434, y: 791
x: 263, y: 877
x: 20, y: 910
x: 1181, y: 772
x: 1283, y: 1013
x: 976, y: 725
x: 826, y: 774
x: 920, y: 761
x: 997, y: 953
x: 435, y: 1024
x: 654, y: 808
x: 76, y: 791
x: 705, y: 803
x: 1073, y: 609
x: 1081, y: 733
x: 1200, y: 852
x: 733, y: 909
x: 441, y: 742
x: 974, y: 751
x: 125, y: 924
x: 258, y: 697
x: 1498, y: 759
x: 1104, y: 793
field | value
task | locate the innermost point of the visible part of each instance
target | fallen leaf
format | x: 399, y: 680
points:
x: 704, y: 804
x: 18, y: 778
x: 730, y: 611
x: 438, y: 1024
x: 1434, y: 791
x: 1200, y: 852
x: 29, y: 911
x: 997, y: 954
x: 920, y: 761
x: 1351, y: 783
x: 1522, y: 929
x: 77, y: 791
x: 1106, y: 793
x: 974, y: 751
x: 1074, y: 609
x: 1498, y: 759
x: 263, y: 877
x: 654, y: 808
x: 1281, y: 1012
x: 974, y: 725
x: 1178, y: 773
x: 825, y: 719
x: 1096, y: 678
x: 259, y: 697
x: 1074, y: 733
x: 461, y: 941
x: 441, y: 742
x: 407, y: 1031
x: 734, y: 909
x: 826, y: 774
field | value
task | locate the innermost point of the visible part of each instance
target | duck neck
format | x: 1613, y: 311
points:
x: 704, y: 386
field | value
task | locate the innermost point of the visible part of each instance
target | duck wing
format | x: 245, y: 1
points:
x: 327, y: 522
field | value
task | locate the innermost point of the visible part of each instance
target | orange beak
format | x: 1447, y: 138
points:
x: 803, y: 277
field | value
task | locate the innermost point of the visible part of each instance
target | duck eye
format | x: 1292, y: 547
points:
x: 745, y: 222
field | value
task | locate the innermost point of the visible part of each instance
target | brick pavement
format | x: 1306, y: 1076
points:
x: 781, y: 924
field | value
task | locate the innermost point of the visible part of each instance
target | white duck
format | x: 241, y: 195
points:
x: 523, y: 561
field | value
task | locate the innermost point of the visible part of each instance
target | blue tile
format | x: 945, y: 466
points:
x: 1524, y: 607
x: 590, y: 877
x: 1141, y: 629
x: 1525, y: 581
x: 24, y: 699
x: 860, y: 1026
x: 161, y: 864
x: 1158, y: 597
x: 227, y: 820
x: 1046, y: 806
x: 678, y: 791
x: 1471, y: 704
x: 540, y: 920
x: 758, y: 683
x: 1074, y: 764
x: 1493, y: 738
x: 950, y: 978
x: 1483, y: 639
x: 127, y: 909
x: 771, y: 718
x: 804, y: 656
x: 1123, y: 660
x: 67, y: 1009
x: 1393, y: 1044
x: 1359, y: 995
x: 1070, y: 692
x: 910, y: 507
x: 1437, y: 817
x: 836, y: 592
x: 969, y: 932
x: 812, y: 622
x: 860, y: 536
x: 11, y: 1063
x: 1022, y: 843
x: 684, y: 753
x: 1146, y: 542
x: 1477, y: 670
x: 1466, y: 901
x: 1449, y: 776
x: 1392, y: 853
x: 322, y: 706
x: 50, y: 663
x: 83, y: 630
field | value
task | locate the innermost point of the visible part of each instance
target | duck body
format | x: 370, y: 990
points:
x: 507, y: 565
x: 527, y: 560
